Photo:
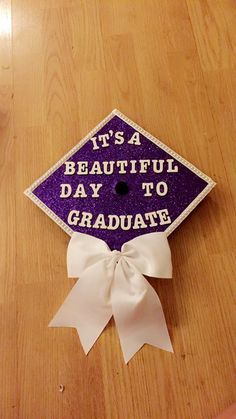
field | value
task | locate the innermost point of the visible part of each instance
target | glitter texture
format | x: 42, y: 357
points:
x: 184, y: 187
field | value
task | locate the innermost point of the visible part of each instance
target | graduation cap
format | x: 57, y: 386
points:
x: 120, y: 182
x: 119, y: 193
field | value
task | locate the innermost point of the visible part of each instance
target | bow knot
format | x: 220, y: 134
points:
x: 116, y: 255
x: 122, y: 291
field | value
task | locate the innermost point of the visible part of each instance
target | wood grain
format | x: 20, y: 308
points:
x: 171, y: 67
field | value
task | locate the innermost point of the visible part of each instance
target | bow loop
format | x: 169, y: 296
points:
x: 150, y: 253
x: 112, y: 283
x: 84, y: 251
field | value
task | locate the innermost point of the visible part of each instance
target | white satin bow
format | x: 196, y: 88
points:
x: 111, y: 283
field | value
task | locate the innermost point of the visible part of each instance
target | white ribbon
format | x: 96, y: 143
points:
x: 111, y: 283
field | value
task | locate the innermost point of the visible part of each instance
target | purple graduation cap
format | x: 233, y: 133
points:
x: 120, y: 182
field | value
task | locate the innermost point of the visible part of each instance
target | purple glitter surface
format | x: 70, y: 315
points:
x: 183, y: 186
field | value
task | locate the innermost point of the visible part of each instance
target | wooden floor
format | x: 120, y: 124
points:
x: 170, y: 66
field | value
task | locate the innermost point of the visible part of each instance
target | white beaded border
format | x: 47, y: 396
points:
x: 210, y: 183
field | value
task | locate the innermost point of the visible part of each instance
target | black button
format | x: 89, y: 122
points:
x: 122, y: 188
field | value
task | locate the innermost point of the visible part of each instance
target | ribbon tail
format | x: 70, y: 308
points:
x: 87, y: 307
x: 138, y: 312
